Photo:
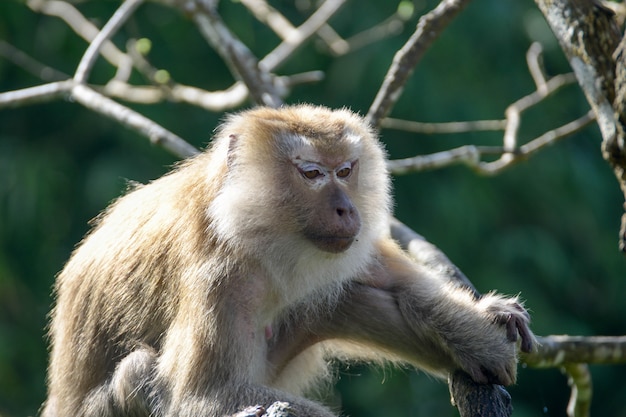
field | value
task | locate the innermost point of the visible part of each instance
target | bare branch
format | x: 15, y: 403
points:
x: 209, y: 100
x: 101, y: 104
x: 596, y: 50
x: 427, y: 254
x: 222, y: 100
x: 38, y: 94
x: 83, y: 28
x: 514, y: 111
x: 533, y: 146
x: 471, y: 155
x: 115, y: 22
x: 296, y: 38
x: 130, y: 118
x: 510, y: 152
x: 242, y: 63
x: 428, y: 29
x: 440, y: 128
x: 534, y: 60
x: 316, y: 25
x: 23, y: 60
x: 468, y: 155
x: 271, y: 17
x: 573, y: 22
x: 554, y: 351
x: 579, y: 380
x: 474, y: 400
x: 391, y: 26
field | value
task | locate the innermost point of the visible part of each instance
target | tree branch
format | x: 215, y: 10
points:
x: 579, y: 380
x: 471, y: 155
x: 120, y: 16
x: 34, y: 95
x: 428, y: 29
x: 85, y: 29
x: 589, y: 36
x: 471, y: 399
x: 20, y: 59
x: 444, y: 127
x: 242, y: 63
x: 476, y: 400
x: 555, y: 351
x: 510, y: 153
x: 130, y: 118
x: 297, y: 37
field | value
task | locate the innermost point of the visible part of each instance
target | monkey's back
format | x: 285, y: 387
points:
x: 115, y: 292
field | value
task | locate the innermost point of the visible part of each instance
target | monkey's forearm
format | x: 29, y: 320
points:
x: 368, y: 317
x: 472, y: 332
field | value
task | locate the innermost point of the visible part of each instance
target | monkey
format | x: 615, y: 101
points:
x: 233, y: 281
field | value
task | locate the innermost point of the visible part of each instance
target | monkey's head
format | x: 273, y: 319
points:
x: 305, y: 178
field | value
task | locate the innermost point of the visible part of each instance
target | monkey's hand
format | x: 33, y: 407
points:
x: 511, y: 314
x: 495, y: 357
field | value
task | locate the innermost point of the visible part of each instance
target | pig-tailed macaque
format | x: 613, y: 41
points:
x: 233, y: 280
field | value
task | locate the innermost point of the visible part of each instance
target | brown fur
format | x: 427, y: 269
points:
x: 199, y: 294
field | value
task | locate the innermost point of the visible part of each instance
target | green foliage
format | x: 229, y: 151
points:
x: 546, y: 228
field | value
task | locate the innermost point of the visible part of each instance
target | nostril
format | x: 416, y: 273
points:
x: 341, y: 211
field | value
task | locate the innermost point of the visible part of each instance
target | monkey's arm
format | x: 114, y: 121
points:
x: 451, y: 327
x: 400, y: 309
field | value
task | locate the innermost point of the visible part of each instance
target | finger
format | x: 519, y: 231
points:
x: 511, y: 329
x: 528, y: 340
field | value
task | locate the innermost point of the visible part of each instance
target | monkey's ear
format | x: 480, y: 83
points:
x: 232, y: 146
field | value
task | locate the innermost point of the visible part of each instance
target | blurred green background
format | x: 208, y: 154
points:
x: 546, y: 228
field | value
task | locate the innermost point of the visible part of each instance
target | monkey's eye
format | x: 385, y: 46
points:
x: 344, y: 170
x: 309, y: 170
x: 311, y: 174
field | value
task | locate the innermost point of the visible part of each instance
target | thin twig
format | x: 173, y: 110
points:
x: 392, y: 25
x: 579, y: 380
x: 130, y: 118
x: 271, y: 17
x: 535, y: 145
x: 428, y: 29
x: 441, y: 128
x: 115, y: 22
x: 83, y: 28
x: 468, y: 155
x: 511, y: 153
x: 242, y: 63
x: 513, y: 112
x: 534, y: 60
x: 338, y: 46
x: 25, y: 61
x: 32, y: 95
x: 555, y: 351
x: 304, y: 32
x: 471, y: 155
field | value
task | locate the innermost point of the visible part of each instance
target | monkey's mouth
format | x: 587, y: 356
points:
x: 333, y: 244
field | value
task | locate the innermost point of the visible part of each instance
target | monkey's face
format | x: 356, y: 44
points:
x: 329, y: 218
x: 297, y: 179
